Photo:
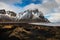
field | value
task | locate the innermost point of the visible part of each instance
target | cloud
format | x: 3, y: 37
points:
x: 50, y: 5
x: 9, y: 7
x: 58, y: 1
x: 54, y: 17
x: 11, y: 1
x: 33, y: 6
x: 47, y: 8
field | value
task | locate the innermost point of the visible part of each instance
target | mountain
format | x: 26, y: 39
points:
x: 7, y: 16
x: 26, y: 16
x: 32, y: 16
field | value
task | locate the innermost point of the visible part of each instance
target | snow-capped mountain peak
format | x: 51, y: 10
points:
x: 33, y: 15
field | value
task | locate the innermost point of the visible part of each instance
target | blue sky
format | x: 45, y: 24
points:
x: 27, y: 2
x: 50, y: 8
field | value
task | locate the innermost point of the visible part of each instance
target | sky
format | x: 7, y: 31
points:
x: 50, y: 8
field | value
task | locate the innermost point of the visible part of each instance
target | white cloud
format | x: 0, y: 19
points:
x: 46, y: 7
x: 9, y: 7
x: 57, y: 10
x: 11, y: 1
x: 50, y: 5
x: 58, y: 1
x: 54, y: 17
x: 33, y: 6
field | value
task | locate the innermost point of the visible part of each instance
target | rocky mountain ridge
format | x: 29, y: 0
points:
x: 26, y: 16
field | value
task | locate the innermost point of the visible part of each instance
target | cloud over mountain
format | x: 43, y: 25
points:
x: 9, y: 7
x: 48, y: 7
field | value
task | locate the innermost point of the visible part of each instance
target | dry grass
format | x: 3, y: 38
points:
x: 30, y: 32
